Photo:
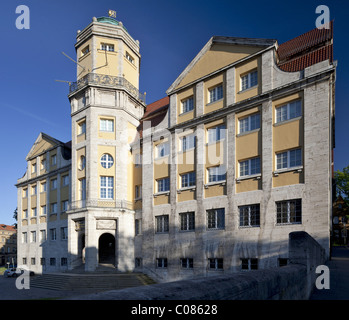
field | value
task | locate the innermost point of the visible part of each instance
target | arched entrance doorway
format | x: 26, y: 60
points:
x: 106, y: 249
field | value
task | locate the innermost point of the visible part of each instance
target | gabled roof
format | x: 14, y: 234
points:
x: 236, y: 47
x: 43, y: 143
x: 307, y: 49
x: 7, y: 228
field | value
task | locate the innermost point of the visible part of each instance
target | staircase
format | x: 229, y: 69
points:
x: 92, y: 282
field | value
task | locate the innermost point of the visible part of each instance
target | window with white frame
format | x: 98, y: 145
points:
x: 249, y: 215
x: 215, y: 264
x: 81, y: 127
x: 107, y: 187
x: 34, y: 212
x: 85, y: 50
x: 216, y: 134
x: 25, y: 193
x: 107, y: 161
x: 42, y: 235
x: 249, y: 80
x: 138, y: 192
x: 289, y: 159
x: 289, y: 211
x: 188, y: 179
x: 161, y: 262
x: 187, y: 221
x: 106, y: 125
x: 216, y: 174
x: 215, y: 93
x: 24, y: 237
x: 25, y: 214
x: 162, y: 149
x: 288, y: 111
x: 43, y: 186
x: 129, y: 57
x: 187, y: 263
x: 43, y: 210
x: 107, y: 47
x: 162, y: 223
x: 33, y: 236
x: 34, y: 190
x: 249, y: 264
x: 163, y: 185
x: 216, y: 218
x: 187, y: 105
x: 188, y: 142
x: 250, y: 123
x: 34, y: 167
x: 250, y: 167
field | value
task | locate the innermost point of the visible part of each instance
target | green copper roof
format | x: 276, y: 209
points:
x: 110, y: 21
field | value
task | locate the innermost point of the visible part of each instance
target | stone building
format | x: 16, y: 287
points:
x: 212, y: 178
x: 8, y: 245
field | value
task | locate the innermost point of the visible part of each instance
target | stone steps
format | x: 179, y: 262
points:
x: 91, y: 282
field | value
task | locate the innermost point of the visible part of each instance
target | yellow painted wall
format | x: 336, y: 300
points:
x: 215, y: 190
x: 131, y: 70
x: 181, y: 96
x: 218, y: 56
x: 104, y: 171
x: 186, y: 195
x: 107, y: 62
x: 104, y: 134
x: 249, y: 185
x: 85, y: 61
x: 161, y: 199
x: 209, y: 84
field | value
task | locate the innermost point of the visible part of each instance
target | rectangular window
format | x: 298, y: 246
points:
x: 289, y: 159
x: 188, y: 104
x: 282, y: 262
x: 24, y: 261
x: 163, y: 185
x: 249, y: 80
x: 162, y: 223
x: 215, y: 264
x: 34, y: 190
x: 216, y: 93
x: 216, y: 218
x: 188, y: 179
x: 24, y: 237
x: 33, y: 236
x: 187, y: 263
x: 42, y: 235
x: 25, y: 193
x: 32, y: 261
x: 43, y: 164
x: 138, y: 192
x: 161, y: 262
x: 289, y: 211
x: 54, y: 160
x: 107, y: 47
x: 64, y: 233
x: 65, y: 205
x: 216, y: 134
x: 85, y: 50
x: 138, y: 262
x: 52, y: 261
x: 53, y: 184
x: 65, y: 180
x: 250, y: 167
x: 288, y: 111
x: 54, y: 207
x: 33, y: 167
x: 162, y: 149
x: 43, y: 186
x: 82, y: 187
x: 188, y: 142
x: 250, y: 123
x: 138, y: 160
x: 34, y: 212
x: 138, y: 227
x: 42, y: 261
x: 216, y: 174
x: 187, y: 221
x: 82, y: 127
x: 107, y: 187
x: 53, y: 234
x: 249, y: 264
x: 64, y: 262
x: 106, y: 125
x: 249, y: 215
x: 129, y: 57
x: 25, y: 214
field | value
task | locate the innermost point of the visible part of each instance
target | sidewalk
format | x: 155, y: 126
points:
x: 339, y: 277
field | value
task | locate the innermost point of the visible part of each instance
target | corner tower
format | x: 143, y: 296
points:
x: 106, y: 107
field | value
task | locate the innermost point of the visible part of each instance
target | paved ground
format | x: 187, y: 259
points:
x: 339, y: 277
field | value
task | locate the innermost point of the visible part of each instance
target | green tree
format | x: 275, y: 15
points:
x: 342, y: 183
x: 15, y: 216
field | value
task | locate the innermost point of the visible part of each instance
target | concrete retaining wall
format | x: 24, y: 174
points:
x: 294, y: 281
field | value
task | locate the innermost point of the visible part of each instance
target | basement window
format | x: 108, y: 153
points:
x: 249, y: 264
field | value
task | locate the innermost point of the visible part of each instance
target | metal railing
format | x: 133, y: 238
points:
x: 100, y: 203
x: 105, y: 80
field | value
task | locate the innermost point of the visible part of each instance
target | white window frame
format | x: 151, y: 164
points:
x: 107, y: 160
x: 129, y: 57
x: 163, y: 149
x: 249, y: 167
x: 107, y: 187
x: 188, y: 142
x: 216, y: 212
x: 162, y: 223
x: 249, y: 212
x: 34, y: 212
x: 138, y: 192
x: 82, y: 127
x: 298, y: 215
x: 106, y: 125
x: 249, y: 120
x: 188, y: 179
x: 288, y: 159
x: 216, y: 93
x: 216, y: 133
x: 283, y: 112
x: 32, y: 236
x: 107, y: 47
x: 250, y: 80
x: 216, y: 172
x: 42, y: 235
x: 187, y: 221
x: 163, y: 181
x: 43, y: 210
x: 187, y: 105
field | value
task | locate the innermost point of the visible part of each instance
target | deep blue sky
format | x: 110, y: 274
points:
x: 171, y: 33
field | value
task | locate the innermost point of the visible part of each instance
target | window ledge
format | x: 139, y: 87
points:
x: 210, y: 184
x: 247, y: 132
x: 247, y: 89
x: 213, y: 102
x: 184, y: 113
x: 163, y: 193
x: 138, y: 199
x: 192, y: 188
x: 252, y: 176
x: 297, y: 169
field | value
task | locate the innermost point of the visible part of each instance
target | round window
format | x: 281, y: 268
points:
x: 107, y: 161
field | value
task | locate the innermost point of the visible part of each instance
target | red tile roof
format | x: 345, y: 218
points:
x: 7, y: 228
x: 307, y: 49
